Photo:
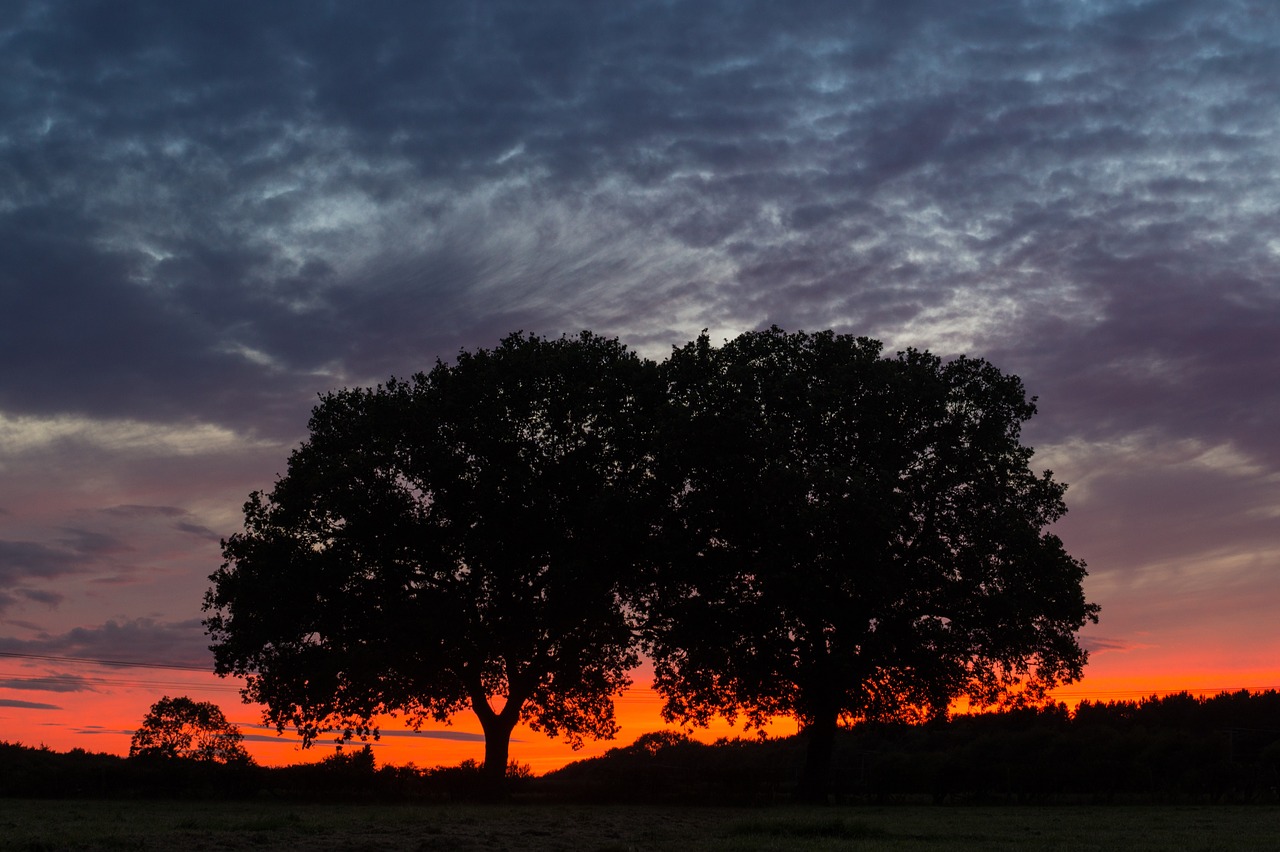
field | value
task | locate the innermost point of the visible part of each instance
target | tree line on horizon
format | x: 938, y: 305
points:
x: 1172, y: 749
x: 789, y: 524
x: 1177, y: 748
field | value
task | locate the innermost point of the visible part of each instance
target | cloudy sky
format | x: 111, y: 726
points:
x: 211, y: 212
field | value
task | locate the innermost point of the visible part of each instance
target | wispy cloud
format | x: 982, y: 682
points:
x: 27, y: 705
x: 50, y: 683
x: 142, y: 641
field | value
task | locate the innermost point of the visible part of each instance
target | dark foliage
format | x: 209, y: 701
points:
x: 43, y: 773
x: 792, y: 525
x: 1176, y: 749
x: 347, y: 776
x: 455, y: 541
x: 183, y: 728
x: 354, y: 776
x: 854, y: 537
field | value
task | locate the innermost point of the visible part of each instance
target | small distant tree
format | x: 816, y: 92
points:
x: 180, y: 727
x: 360, y: 762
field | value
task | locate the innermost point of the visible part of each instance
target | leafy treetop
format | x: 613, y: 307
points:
x: 854, y: 537
x: 456, y: 541
x: 183, y: 728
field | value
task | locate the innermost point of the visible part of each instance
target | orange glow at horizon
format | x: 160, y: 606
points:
x: 104, y: 721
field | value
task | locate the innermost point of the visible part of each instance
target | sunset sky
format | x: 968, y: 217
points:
x: 211, y: 212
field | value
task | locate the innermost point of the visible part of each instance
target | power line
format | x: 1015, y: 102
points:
x: 76, y: 680
x: 103, y: 662
x: 109, y: 681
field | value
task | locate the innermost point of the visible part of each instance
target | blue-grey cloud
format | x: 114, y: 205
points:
x: 95, y: 730
x: 144, y: 641
x: 458, y: 736
x: 27, y: 705
x: 210, y: 213
x: 1099, y: 644
x: 276, y: 738
x: 20, y: 559
x: 224, y: 204
x: 430, y: 734
x: 18, y: 596
x: 49, y: 683
x: 26, y: 562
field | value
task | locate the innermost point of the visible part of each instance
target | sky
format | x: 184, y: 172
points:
x: 212, y: 212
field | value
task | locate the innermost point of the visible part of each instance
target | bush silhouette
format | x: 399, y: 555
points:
x: 182, y: 728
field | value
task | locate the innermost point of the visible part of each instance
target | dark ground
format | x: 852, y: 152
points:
x: 198, y: 826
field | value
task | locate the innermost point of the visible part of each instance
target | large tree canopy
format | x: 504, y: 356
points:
x: 458, y: 540
x: 854, y: 537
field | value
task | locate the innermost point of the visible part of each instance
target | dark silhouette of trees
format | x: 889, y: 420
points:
x: 183, y: 728
x: 796, y: 524
x: 853, y: 537
x: 458, y: 540
x: 1174, y: 749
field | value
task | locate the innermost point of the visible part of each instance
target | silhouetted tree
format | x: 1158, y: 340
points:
x: 854, y: 537
x: 448, y: 542
x: 180, y: 727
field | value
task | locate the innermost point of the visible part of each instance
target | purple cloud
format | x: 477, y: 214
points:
x: 27, y: 705
x: 141, y: 641
x: 213, y: 214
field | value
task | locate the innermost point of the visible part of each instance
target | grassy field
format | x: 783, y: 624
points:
x: 195, y: 826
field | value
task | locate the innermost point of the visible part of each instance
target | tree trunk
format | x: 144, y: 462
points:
x: 497, y: 746
x: 815, y: 779
x: 497, y: 740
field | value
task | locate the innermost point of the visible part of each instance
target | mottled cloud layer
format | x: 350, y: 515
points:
x: 210, y: 213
